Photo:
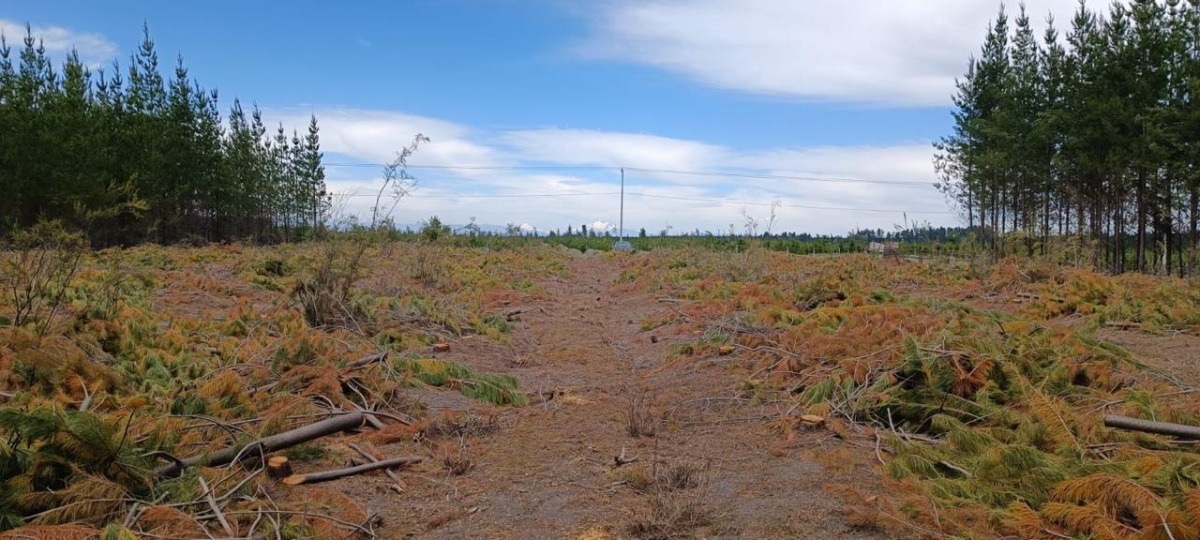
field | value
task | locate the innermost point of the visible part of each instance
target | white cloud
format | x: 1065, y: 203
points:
x: 654, y: 201
x: 376, y: 136
x: 892, y: 53
x: 94, y: 49
x: 588, y: 147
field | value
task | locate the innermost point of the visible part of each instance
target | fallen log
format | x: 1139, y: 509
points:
x: 325, y: 476
x: 1150, y: 426
x: 287, y: 439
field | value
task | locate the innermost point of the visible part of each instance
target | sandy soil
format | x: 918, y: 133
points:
x: 547, y: 470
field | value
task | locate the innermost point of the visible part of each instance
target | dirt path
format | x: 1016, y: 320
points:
x: 549, y: 472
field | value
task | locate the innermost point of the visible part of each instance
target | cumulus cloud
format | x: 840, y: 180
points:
x: 94, y: 49
x: 602, y: 226
x: 376, y: 135
x: 498, y: 196
x: 889, y: 53
x: 589, y: 147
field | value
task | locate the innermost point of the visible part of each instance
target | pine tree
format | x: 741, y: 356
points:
x: 312, y: 174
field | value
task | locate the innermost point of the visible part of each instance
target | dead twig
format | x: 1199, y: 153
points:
x: 212, y: 503
x: 370, y: 457
x: 325, y: 476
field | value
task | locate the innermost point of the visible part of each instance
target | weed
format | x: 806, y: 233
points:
x: 677, y: 504
x: 497, y: 389
x: 640, y: 420
x: 324, y: 292
x: 36, y: 271
x: 456, y: 458
x: 307, y: 452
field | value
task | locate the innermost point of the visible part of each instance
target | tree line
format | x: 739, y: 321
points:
x: 133, y: 156
x: 1088, y: 138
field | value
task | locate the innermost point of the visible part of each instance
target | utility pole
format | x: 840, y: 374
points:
x: 621, y: 234
x: 621, y: 244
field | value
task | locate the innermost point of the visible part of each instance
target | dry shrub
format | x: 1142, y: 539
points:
x: 640, y: 420
x: 459, y: 425
x: 36, y: 269
x: 51, y: 532
x: 677, y: 504
x: 324, y: 290
x: 319, y: 502
x: 394, y: 433
x: 168, y: 522
x: 53, y: 364
x: 456, y: 458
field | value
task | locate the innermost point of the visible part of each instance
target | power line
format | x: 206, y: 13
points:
x: 781, y: 205
x: 832, y: 179
x: 711, y: 174
x: 485, y: 167
x: 650, y: 196
x: 494, y: 196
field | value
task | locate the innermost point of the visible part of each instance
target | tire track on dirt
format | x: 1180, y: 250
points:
x: 549, y: 472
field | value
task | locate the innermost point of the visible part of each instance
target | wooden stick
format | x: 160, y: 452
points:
x: 212, y: 503
x: 391, y: 474
x: 287, y: 439
x: 1149, y: 426
x: 325, y: 476
x: 366, y: 361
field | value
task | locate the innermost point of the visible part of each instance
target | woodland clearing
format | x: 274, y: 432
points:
x: 536, y: 392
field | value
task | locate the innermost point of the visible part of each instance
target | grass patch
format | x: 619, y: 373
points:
x: 497, y: 389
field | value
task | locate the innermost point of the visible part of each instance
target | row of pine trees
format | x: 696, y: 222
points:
x: 134, y: 157
x: 1092, y: 136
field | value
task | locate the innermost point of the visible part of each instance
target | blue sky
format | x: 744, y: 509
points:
x: 856, y: 89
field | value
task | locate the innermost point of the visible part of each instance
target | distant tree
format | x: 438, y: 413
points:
x: 142, y: 158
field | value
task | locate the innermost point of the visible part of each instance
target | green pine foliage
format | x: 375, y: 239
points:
x: 497, y: 389
x: 1084, y: 144
x: 131, y: 155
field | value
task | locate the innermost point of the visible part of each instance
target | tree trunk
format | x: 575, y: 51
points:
x: 287, y: 439
x: 1141, y: 220
x: 1194, y: 235
x: 1149, y: 426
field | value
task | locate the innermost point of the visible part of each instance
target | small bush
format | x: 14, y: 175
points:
x: 36, y: 272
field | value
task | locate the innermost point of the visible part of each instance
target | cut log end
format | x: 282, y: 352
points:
x: 812, y: 419
x: 441, y: 347
x: 295, y: 480
x: 279, y: 467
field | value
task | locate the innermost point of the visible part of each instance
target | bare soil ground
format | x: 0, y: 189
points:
x: 548, y: 470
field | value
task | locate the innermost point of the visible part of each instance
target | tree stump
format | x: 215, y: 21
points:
x: 279, y: 467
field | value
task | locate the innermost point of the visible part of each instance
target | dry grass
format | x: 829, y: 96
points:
x: 208, y: 345
x: 678, y: 503
x: 640, y: 420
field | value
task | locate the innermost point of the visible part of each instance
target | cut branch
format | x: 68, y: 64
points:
x: 325, y: 476
x: 1150, y: 426
x: 371, y: 457
x: 273, y: 443
x: 366, y: 361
